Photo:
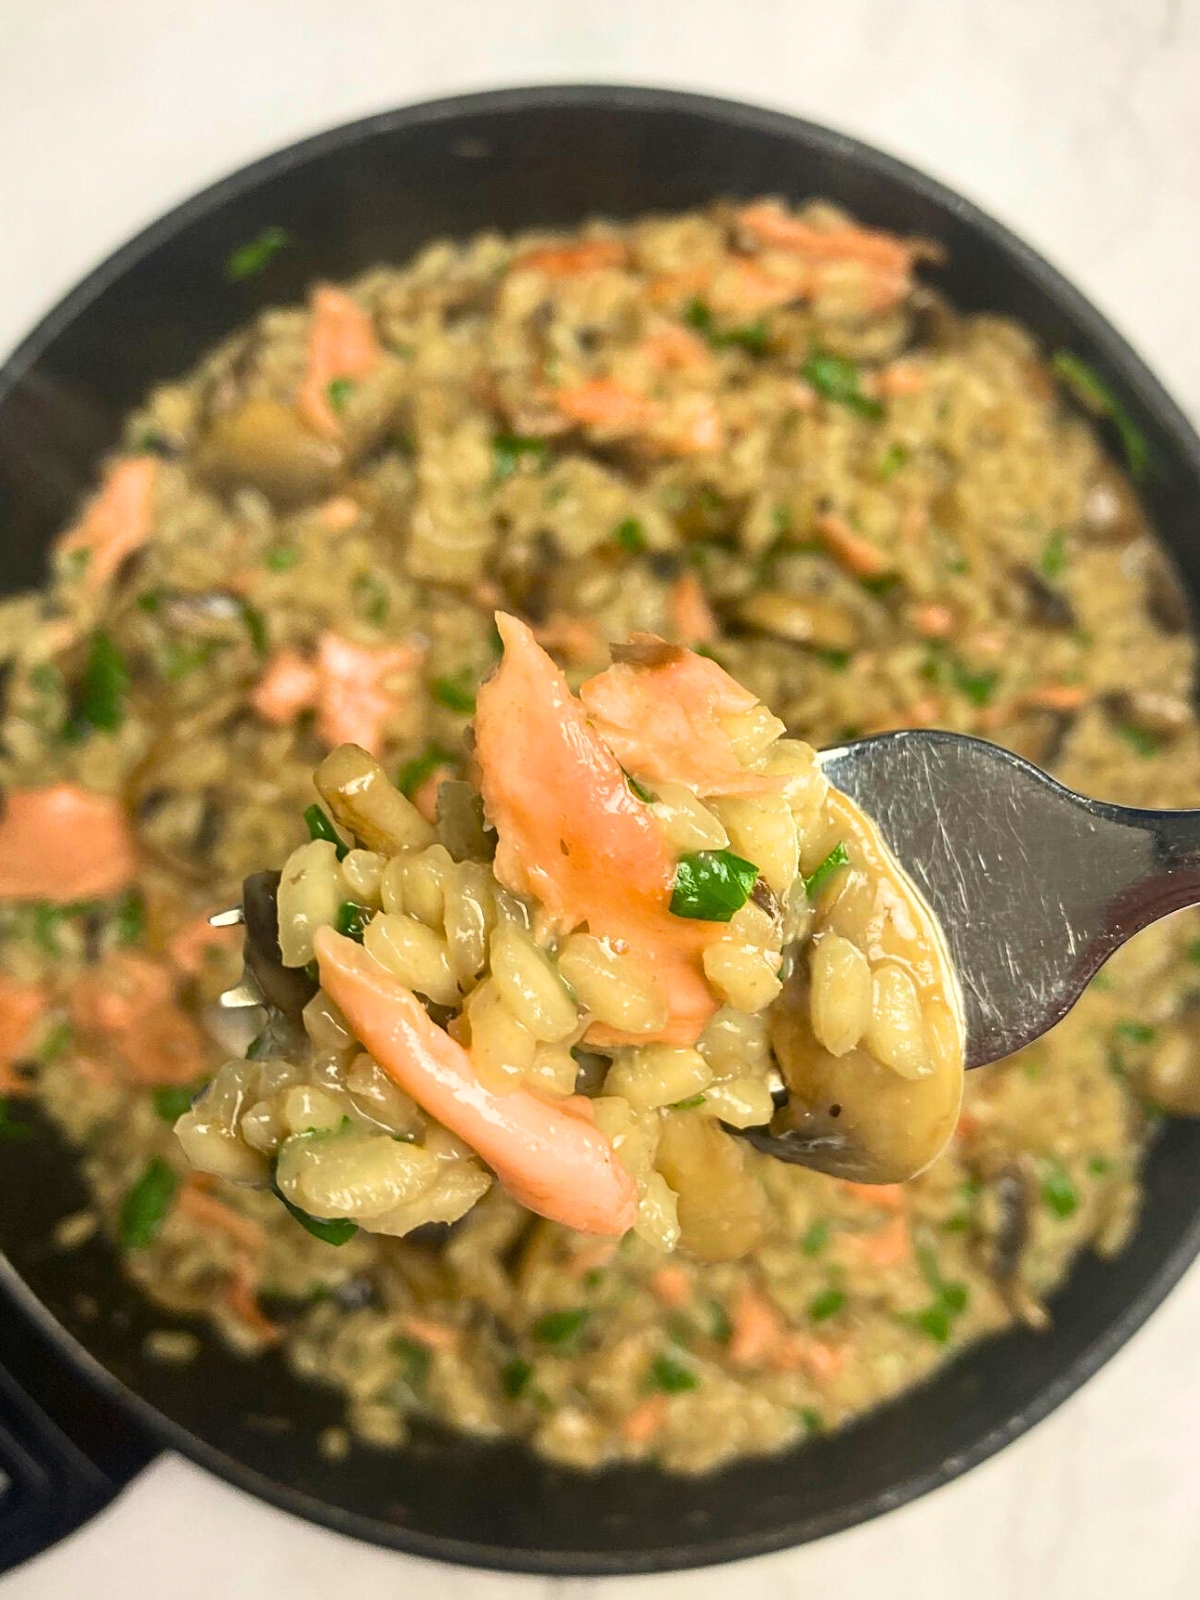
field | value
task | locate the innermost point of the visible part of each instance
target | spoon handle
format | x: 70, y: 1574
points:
x: 1170, y: 876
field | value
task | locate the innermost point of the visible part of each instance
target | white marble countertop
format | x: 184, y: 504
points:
x: 1076, y: 121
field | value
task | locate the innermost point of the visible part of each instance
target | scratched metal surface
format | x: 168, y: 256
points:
x: 1034, y: 886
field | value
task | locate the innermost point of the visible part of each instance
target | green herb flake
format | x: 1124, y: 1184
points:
x: 129, y: 918
x: 414, y: 773
x: 256, y: 626
x: 1140, y: 740
x: 835, y: 660
x: 1095, y: 396
x: 1136, y: 1032
x: 415, y: 1362
x: 720, y: 1328
x: 102, y: 689
x: 811, y: 1418
x: 640, y: 790
x: 839, y: 380
x: 1054, y: 555
x: 690, y: 1104
x: 457, y: 693
x: 827, y: 1304
x: 670, y: 1376
x: 147, y: 1204
x: 248, y: 260
x: 371, y: 599
x: 55, y: 1042
x: 890, y: 462
x: 712, y: 885
x: 752, y: 337
x: 180, y: 660
x: 12, y: 1131
x: 47, y: 921
x: 631, y: 536
x: 515, y: 1376
x: 330, y: 1230
x: 1059, y: 1194
x: 320, y: 827
x: 935, y: 1321
x: 510, y: 450
x: 1193, y: 955
x: 559, y: 1327
x: 814, y: 1240
x: 171, y: 1100
x: 1099, y: 1166
x: 977, y: 687
x: 837, y: 858
x: 281, y: 557
x: 339, y: 391
x: 351, y: 921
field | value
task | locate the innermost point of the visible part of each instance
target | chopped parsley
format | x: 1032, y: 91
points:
x: 837, y: 858
x: 671, y: 1376
x: 510, y: 450
x: 1136, y: 1032
x: 837, y: 379
x: 1059, y: 1194
x: 1140, y: 740
x: 515, y: 1376
x: 752, y: 337
x: 339, y: 391
x: 171, y: 1100
x: 978, y: 687
x: 414, y: 773
x: 320, y: 827
x: 950, y: 1299
x: 816, y: 1238
x: 256, y: 627
x: 147, y: 1204
x: 827, y: 1304
x: 631, y: 536
x: 720, y: 1328
x: 248, y: 260
x: 281, y: 557
x: 129, y: 917
x: 371, y: 599
x: 640, y: 790
x: 351, y: 920
x: 559, y: 1327
x: 690, y: 1104
x: 12, y: 1131
x: 456, y: 693
x: 1095, y: 396
x: 415, y: 1361
x: 890, y: 462
x: 835, y: 660
x: 102, y: 690
x: 1054, y: 554
x: 330, y: 1230
x: 712, y: 885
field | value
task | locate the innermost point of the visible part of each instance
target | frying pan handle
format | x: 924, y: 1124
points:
x: 49, y: 1483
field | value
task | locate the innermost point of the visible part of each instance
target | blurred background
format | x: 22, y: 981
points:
x: 1078, y: 124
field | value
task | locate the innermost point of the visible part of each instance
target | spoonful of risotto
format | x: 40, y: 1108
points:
x: 650, y: 921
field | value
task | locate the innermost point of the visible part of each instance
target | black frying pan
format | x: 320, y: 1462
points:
x: 373, y: 192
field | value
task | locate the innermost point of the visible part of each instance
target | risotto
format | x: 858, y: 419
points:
x: 751, y: 432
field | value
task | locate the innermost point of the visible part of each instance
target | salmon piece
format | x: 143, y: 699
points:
x: 570, y: 260
x: 116, y: 521
x: 346, y: 685
x: 577, y: 638
x: 933, y: 621
x: 676, y: 349
x: 609, y: 408
x: 771, y: 225
x: 554, y: 1164
x: 571, y: 833
x: 663, y: 722
x: 64, y: 843
x: 799, y: 1352
x: 341, y: 344
x: 286, y: 688
x: 758, y: 1329
x: 214, y: 1215
x: 885, y: 1248
x: 671, y: 1286
x: 22, y: 1007
x: 850, y: 549
x: 129, y: 1003
x: 747, y: 289
x: 241, y: 1298
x: 887, y: 1196
x: 646, y: 1419
x: 339, y: 513
x: 593, y: 1257
x: 690, y: 612
x: 354, y: 702
x: 188, y: 947
x: 437, y: 1335
x: 901, y: 378
x: 1056, y: 697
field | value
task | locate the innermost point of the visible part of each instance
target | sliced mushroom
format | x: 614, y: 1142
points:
x: 1009, y: 1232
x: 808, y: 620
x: 1155, y: 712
x: 1046, y: 604
x: 1165, y: 598
x: 265, y: 444
x: 287, y: 989
x: 1111, y: 513
x: 646, y: 650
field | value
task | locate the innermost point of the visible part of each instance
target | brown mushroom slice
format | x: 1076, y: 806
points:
x: 878, y: 1111
x: 265, y: 444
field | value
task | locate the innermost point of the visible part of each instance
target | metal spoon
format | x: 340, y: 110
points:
x: 1034, y: 887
